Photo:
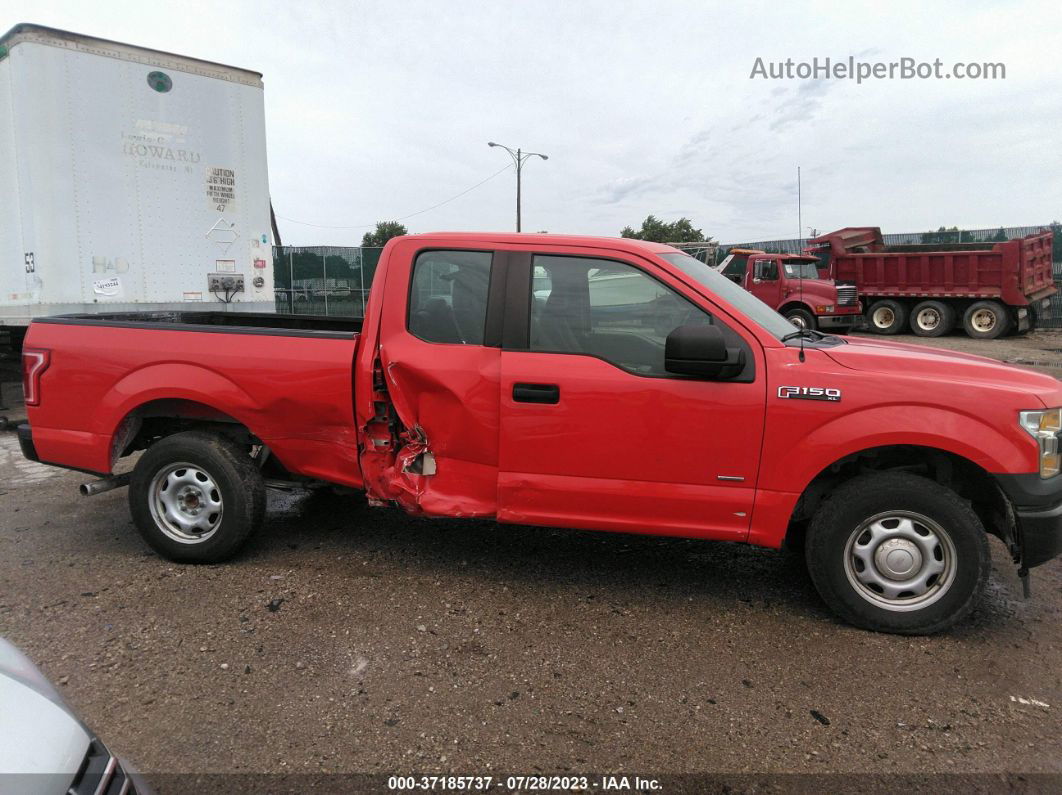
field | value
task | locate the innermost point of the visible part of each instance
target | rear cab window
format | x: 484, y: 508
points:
x: 448, y: 296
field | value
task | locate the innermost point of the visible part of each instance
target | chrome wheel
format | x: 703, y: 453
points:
x: 900, y: 561
x: 883, y: 317
x: 983, y: 320
x: 185, y: 503
x: 928, y: 319
x: 798, y: 321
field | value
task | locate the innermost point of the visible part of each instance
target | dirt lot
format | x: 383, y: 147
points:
x: 354, y: 639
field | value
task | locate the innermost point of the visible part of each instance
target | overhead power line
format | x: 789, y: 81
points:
x: 404, y: 217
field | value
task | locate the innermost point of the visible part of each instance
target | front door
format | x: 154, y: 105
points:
x: 766, y: 282
x: 594, y: 432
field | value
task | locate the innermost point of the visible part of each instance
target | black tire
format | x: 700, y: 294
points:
x: 887, y: 317
x: 801, y: 318
x: 232, y: 479
x: 955, y: 534
x: 986, y: 320
x: 932, y: 319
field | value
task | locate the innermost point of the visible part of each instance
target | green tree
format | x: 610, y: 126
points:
x: 384, y: 231
x: 945, y: 235
x: 1056, y: 242
x: 680, y: 231
x: 942, y: 235
x: 999, y: 237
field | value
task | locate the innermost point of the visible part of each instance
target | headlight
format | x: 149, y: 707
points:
x: 1044, y: 427
x: 824, y: 309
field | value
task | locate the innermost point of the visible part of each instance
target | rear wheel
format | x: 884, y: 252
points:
x: 932, y: 319
x: 801, y: 318
x: 887, y: 317
x: 895, y: 552
x: 986, y: 320
x: 195, y: 497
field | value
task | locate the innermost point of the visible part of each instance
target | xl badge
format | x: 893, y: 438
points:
x: 809, y: 393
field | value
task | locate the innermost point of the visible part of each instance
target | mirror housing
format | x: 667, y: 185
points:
x: 701, y: 350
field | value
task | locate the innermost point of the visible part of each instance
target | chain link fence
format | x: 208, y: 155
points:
x: 323, y: 280
x: 335, y: 280
x: 940, y: 237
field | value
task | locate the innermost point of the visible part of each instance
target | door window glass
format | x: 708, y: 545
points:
x: 766, y: 269
x: 448, y: 296
x: 606, y: 309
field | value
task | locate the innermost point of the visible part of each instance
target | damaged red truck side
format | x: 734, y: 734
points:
x: 591, y: 383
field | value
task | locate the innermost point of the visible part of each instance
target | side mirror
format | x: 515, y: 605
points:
x: 701, y: 350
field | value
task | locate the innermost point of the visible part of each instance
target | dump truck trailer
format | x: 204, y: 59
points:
x: 991, y: 289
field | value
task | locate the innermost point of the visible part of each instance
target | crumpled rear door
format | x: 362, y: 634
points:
x: 429, y: 421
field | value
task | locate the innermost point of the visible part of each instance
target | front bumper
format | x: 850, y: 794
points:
x: 1038, y: 509
x: 839, y: 321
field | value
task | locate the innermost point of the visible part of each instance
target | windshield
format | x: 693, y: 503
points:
x: 745, y: 302
x: 798, y: 269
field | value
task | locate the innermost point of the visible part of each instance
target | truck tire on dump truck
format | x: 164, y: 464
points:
x: 132, y: 180
x: 987, y: 289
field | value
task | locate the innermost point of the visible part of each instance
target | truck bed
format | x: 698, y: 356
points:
x: 1018, y: 272
x: 287, y: 378
x: 233, y: 322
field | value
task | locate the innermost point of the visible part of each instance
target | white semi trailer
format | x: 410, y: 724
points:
x: 130, y: 180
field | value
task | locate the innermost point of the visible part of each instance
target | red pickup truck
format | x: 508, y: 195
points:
x: 528, y: 379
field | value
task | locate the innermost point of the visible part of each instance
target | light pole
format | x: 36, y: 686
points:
x: 519, y: 158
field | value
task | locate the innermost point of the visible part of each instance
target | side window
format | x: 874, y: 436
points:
x: 448, y: 296
x: 766, y: 269
x: 605, y: 309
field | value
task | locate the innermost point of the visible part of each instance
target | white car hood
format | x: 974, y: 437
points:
x: 42, y: 744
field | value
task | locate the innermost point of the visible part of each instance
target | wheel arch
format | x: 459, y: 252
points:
x: 174, y: 397
x: 788, y: 305
x: 960, y: 473
x: 789, y: 471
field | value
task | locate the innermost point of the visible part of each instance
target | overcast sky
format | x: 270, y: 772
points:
x: 378, y: 110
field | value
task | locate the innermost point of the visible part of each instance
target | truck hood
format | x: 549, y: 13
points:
x: 823, y: 287
x: 883, y: 357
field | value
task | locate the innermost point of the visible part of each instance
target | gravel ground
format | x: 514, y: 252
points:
x: 353, y: 639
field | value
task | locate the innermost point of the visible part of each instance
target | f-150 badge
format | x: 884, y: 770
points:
x: 809, y: 393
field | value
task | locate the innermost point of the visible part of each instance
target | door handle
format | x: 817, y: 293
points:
x: 536, y: 393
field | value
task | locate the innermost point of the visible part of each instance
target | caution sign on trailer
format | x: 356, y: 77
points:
x: 221, y: 188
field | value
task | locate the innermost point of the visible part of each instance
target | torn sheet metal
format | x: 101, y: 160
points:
x: 428, y: 429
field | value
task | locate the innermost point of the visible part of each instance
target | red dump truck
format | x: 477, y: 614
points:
x: 793, y: 286
x: 990, y: 288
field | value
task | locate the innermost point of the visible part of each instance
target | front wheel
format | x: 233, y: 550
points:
x: 895, y: 552
x: 195, y: 497
x: 801, y: 318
